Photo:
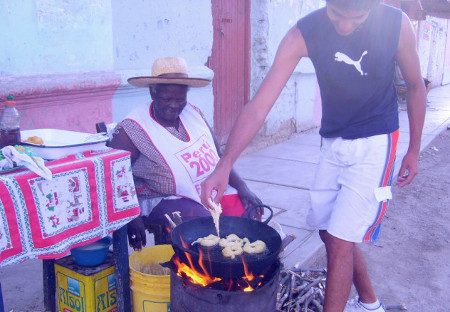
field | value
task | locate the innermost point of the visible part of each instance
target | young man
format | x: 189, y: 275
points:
x: 354, y: 45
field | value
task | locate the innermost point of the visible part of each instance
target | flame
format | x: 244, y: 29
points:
x: 188, y: 255
x: 200, y: 262
x: 194, y: 276
x: 204, y: 278
x: 249, y: 277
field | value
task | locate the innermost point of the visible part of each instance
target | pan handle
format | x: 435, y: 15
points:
x: 267, y: 207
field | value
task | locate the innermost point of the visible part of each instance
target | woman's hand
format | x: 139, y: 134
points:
x: 251, y: 203
x: 136, y: 233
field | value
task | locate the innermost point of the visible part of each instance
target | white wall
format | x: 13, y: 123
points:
x: 53, y: 37
x: 424, y: 30
x: 446, y: 75
x: 86, y: 40
x: 437, y: 50
x: 433, y: 49
x: 296, y: 105
x: 42, y: 39
x: 146, y: 30
x: 155, y: 31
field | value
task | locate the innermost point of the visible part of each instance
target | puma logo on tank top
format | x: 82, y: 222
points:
x: 341, y: 57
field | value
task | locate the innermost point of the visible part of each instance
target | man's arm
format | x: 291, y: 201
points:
x: 122, y: 141
x: 248, y: 198
x: 408, y: 61
x: 291, y: 49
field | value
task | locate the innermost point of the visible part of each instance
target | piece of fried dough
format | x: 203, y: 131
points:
x: 35, y: 140
x: 208, y: 241
x: 255, y: 248
x: 230, y: 239
x: 232, y: 251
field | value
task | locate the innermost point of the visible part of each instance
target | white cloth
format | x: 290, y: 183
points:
x: 34, y: 163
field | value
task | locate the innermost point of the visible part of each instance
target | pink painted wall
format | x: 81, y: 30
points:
x: 70, y: 102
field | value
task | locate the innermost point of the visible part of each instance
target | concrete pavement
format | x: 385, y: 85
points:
x: 281, y: 175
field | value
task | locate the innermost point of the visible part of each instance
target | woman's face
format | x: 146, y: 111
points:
x: 168, y: 102
x: 346, y: 22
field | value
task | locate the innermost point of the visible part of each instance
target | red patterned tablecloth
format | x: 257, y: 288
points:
x: 91, y: 195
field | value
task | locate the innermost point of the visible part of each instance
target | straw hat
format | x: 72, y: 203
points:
x: 169, y: 70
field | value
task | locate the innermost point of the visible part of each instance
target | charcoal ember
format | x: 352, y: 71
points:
x: 221, y: 285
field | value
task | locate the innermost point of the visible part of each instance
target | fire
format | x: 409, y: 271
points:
x: 249, y: 276
x: 204, y: 278
x: 194, y: 276
x: 187, y: 254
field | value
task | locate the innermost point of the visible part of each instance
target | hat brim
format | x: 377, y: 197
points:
x: 143, y: 82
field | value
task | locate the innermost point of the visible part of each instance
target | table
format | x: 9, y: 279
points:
x: 91, y: 195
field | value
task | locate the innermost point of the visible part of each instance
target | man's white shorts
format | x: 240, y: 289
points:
x: 352, y: 186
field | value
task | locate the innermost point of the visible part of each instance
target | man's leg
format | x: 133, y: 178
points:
x: 339, y: 271
x: 345, y: 204
x: 345, y: 264
x: 361, y: 279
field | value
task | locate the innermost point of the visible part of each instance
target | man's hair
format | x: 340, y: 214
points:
x: 354, y: 5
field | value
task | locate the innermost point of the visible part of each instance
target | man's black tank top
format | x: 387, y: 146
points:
x: 355, y: 72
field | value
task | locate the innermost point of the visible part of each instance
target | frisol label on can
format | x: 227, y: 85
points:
x: 77, y: 292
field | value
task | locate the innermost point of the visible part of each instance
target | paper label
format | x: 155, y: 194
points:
x: 383, y: 193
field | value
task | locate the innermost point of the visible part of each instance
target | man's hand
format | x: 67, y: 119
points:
x: 136, y: 233
x: 408, y: 170
x: 214, y: 186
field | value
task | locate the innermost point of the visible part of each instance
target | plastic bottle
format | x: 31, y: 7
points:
x: 10, y: 123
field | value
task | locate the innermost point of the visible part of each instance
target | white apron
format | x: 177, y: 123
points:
x: 190, y: 162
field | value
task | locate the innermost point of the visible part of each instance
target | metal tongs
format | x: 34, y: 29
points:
x: 175, y: 219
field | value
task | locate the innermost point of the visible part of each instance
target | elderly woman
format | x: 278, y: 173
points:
x: 172, y: 151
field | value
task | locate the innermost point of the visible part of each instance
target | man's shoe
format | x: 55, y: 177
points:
x: 354, y: 305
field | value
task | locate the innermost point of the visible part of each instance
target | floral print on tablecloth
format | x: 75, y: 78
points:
x: 90, y: 196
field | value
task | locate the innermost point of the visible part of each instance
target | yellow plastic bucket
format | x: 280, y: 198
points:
x: 150, y: 292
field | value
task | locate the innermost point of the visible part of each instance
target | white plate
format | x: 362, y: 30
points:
x: 61, y: 143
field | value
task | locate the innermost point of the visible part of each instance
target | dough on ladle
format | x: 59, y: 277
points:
x: 215, y: 213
